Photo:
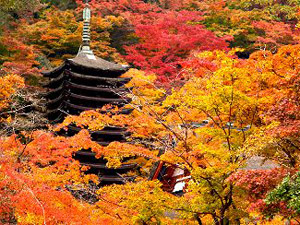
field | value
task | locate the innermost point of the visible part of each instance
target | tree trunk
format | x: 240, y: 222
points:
x: 198, y: 219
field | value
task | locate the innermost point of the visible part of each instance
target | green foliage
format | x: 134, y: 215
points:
x: 288, y: 192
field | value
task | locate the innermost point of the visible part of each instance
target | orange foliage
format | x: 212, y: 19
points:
x: 35, y: 175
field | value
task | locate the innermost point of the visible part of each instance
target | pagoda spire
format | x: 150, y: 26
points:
x: 86, y: 37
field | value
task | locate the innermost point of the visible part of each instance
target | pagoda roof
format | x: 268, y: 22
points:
x: 53, y: 93
x: 55, y: 82
x: 87, y: 62
x: 103, y: 143
x: 53, y: 101
x: 98, y: 89
x: 98, y: 99
x: 97, y: 78
x: 55, y: 72
x: 85, y: 153
x: 95, y: 63
x: 83, y: 108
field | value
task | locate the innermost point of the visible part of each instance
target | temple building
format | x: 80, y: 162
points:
x: 87, y: 82
x: 173, y: 178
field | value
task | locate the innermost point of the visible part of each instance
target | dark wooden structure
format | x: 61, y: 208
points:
x: 87, y: 82
x: 173, y: 178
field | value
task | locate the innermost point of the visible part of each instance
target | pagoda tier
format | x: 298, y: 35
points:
x: 98, y: 166
x: 87, y: 83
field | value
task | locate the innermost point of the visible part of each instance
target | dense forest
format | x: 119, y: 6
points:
x: 214, y: 92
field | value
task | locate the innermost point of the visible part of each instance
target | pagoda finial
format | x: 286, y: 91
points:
x: 86, y: 30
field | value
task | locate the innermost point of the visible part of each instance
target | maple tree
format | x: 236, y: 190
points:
x: 166, y: 39
x: 9, y: 85
x: 223, y: 111
x: 280, y: 137
x: 36, y: 170
x: 242, y: 20
x: 120, y: 7
x: 255, y: 186
x: 19, y: 58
